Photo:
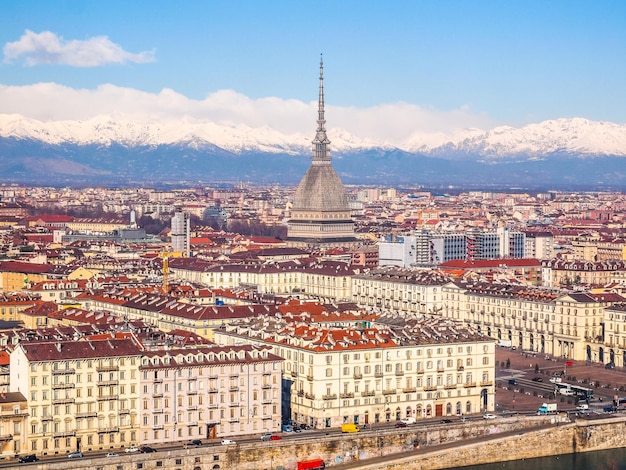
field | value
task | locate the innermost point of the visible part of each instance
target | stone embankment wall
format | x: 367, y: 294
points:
x: 474, y: 442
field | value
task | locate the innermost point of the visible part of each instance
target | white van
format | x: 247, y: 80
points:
x: 409, y: 420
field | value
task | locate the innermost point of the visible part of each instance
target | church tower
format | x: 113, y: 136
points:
x: 320, y: 214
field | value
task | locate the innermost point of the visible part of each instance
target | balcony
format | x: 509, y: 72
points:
x: 213, y: 406
x: 213, y: 390
x: 346, y: 395
x: 233, y: 420
x: 157, y: 395
x: 157, y: 427
x: 61, y: 434
x: 300, y: 393
x: 109, y: 397
x: 157, y: 381
x: 469, y: 384
x: 419, y: 371
x: 487, y: 383
x: 440, y: 369
x: 107, y: 368
x: 194, y: 392
x: 266, y: 386
x: 267, y: 372
x: 50, y: 417
x: 63, y: 401
x: 378, y: 375
x: 449, y: 386
x: 6, y: 437
x: 329, y: 397
x: 309, y: 396
x: 63, y: 371
x: 368, y: 393
x: 63, y: 386
x: 391, y: 391
x: 108, y: 430
x: 294, y: 373
x: 309, y: 378
x: 158, y: 411
x: 108, y: 383
x: 409, y: 390
x: 88, y: 414
x: 192, y: 408
x: 124, y: 411
x: 358, y: 376
x: 234, y: 377
x: 266, y: 417
x: 399, y: 373
x: 233, y: 388
x: 267, y: 401
x: 192, y: 423
x: 234, y: 404
x: 430, y: 388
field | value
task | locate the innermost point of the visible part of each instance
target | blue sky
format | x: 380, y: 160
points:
x: 390, y: 67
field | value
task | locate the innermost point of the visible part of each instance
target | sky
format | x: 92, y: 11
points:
x: 391, y: 69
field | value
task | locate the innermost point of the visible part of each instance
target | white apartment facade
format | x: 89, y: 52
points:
x: 331, y: 377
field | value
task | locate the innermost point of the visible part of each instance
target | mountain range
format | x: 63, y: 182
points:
x: 117, y: 150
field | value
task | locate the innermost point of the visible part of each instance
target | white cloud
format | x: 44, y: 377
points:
x: 393, y: 123
x: 48, y: 48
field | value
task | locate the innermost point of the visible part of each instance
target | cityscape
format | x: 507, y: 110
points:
x: 246, y: 281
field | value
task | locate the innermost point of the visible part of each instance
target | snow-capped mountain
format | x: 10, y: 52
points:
x: 573, y: 136
x: 117, y: 150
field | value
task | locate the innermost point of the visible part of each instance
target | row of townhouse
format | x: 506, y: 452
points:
x: 321, y: 279
x: 562, y: 323
x: 391, y: 368
x: 107, y: 394
x: 168, y: 313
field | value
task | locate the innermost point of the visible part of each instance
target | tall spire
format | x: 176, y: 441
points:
x: 321, y: 150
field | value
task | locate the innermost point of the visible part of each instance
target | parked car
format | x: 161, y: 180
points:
x: 113, y: 454
x: 147, y: 449
x: 610, y: 365
x: 296, y: 428
x: 401, y: 424
x: 226, y: 442
x: 512, y: 382
x: 446, y: 421
x: 287, y: 428
x: 275, y: 437
x: 27, y: 458
x: 266, y: 437
x: 305, y: 427
x: 195, y: 442
x: 75, y: 455
x: 132, y: 449
x: 537, y: 379
x: 489, y: 416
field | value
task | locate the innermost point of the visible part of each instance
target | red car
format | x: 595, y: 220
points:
x: 275, y: 437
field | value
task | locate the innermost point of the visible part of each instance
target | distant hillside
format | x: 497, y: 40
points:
x: 572, y: 154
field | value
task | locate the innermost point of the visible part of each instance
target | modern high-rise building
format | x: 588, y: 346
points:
x: 181, y: 230
x: 320, y: 215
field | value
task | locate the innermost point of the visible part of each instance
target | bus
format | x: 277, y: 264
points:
x: 582, y: 393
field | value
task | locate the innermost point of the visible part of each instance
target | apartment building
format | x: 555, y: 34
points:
x: 393, y: 368
x: 209, y: 392
x: 319, y: 279
x: 401, y: 290
x: 13, y: 420
x: 555, y: 322
x: 82, y: 395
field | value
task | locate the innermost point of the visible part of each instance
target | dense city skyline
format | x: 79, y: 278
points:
x: 395, y: 69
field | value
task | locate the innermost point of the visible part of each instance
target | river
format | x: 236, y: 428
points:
x: 614, y: 459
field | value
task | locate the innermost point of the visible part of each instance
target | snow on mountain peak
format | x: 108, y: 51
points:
x: 576, y: 135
